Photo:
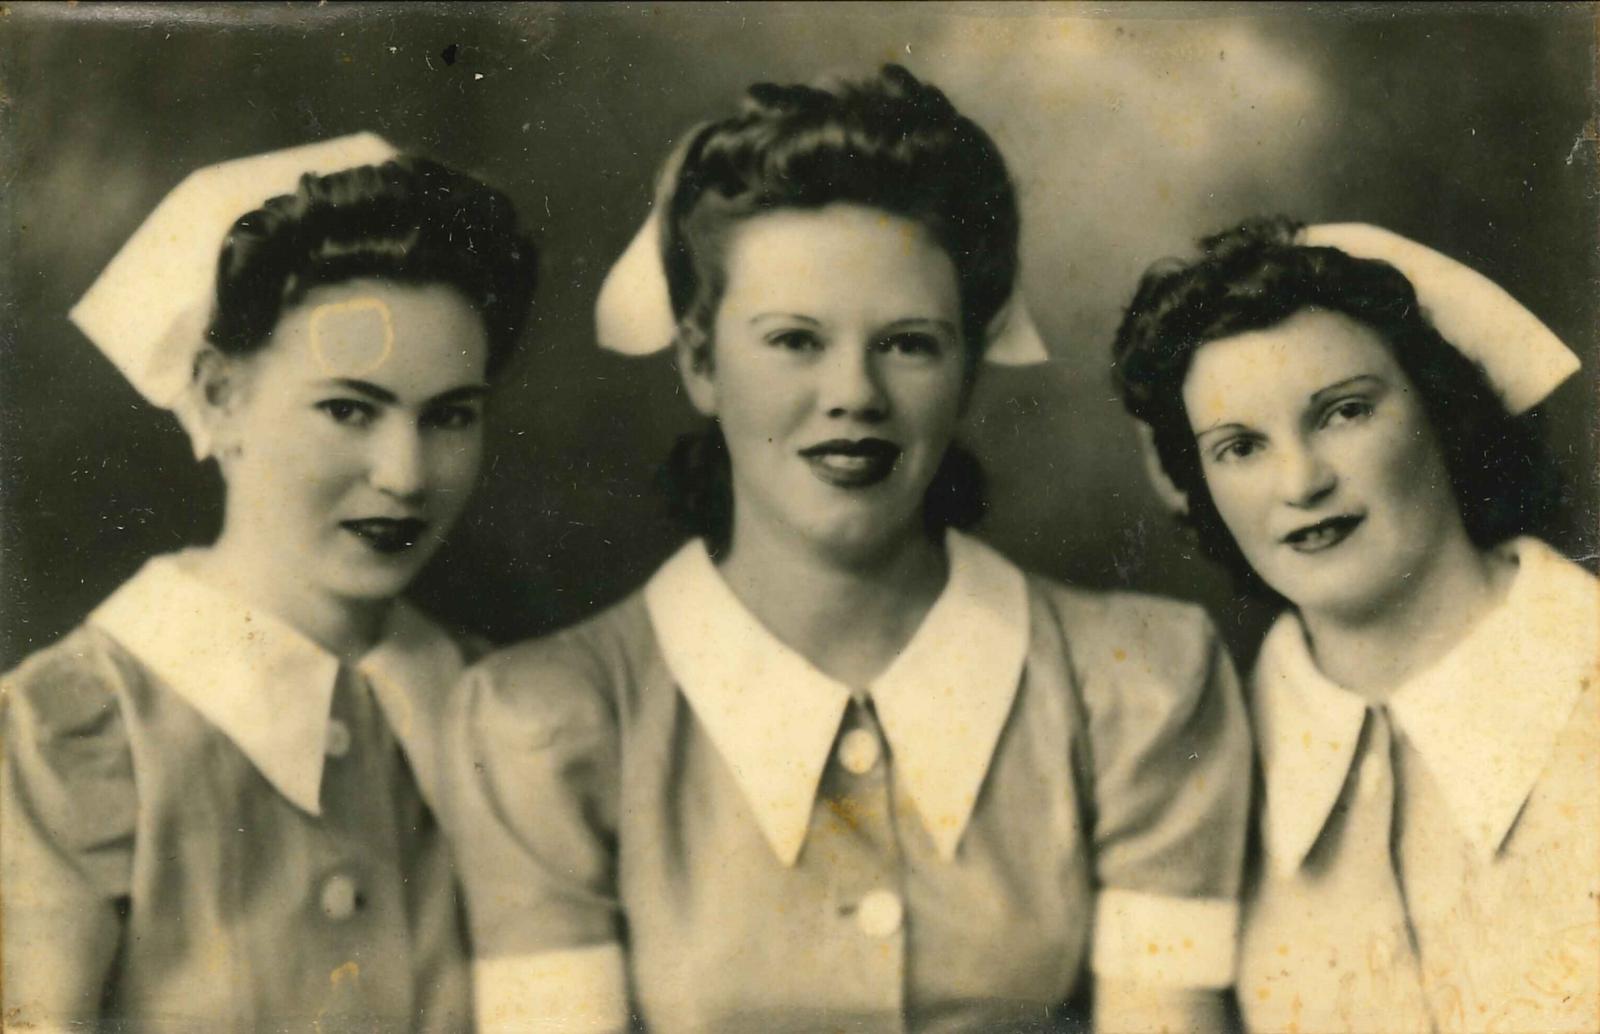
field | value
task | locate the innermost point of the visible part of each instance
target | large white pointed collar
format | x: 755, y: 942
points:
x: 269, y: 688
x: 1484, y: 718
x: 774, y: 717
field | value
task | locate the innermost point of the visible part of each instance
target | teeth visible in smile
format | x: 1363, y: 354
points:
x: 1319, y: 536
x: 1322, y: 535
x: 851, y: 464
x: 387, y: 536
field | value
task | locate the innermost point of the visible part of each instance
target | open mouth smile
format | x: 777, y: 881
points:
x: 1323, y: 535
x: 387, y: 534
x: 852, y: 463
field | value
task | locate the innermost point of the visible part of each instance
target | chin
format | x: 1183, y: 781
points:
x: 370, y: 586
x: 1347, y: 601
x: 861, y: 537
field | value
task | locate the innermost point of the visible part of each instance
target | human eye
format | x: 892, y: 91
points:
x: 348, y: 412
x: 912, y: 343
x: 1347, y: 411
x: 453, y: 416
x: 795, y: 339
x: 1235, y: 450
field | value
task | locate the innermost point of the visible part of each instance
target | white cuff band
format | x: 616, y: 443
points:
x: 575, y: 991
x: 1162, y: 941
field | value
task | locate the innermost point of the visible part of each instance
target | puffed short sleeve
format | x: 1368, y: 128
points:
x: 535, y: 770
x: 1171, y: 761
x: 67, y: 813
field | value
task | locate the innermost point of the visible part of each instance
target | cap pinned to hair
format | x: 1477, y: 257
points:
x: 1523, y: 358
x: 887, y: 141
x: 633, y: 314
x: 148, y: 309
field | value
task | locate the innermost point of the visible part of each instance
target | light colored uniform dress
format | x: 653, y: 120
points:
x: 1434, y: 865
x: 210, y: 824
x: 678, y: 817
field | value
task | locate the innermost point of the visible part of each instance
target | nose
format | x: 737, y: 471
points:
x: 852, y: 384
x: 1305, y: 476
x: 398, y: 465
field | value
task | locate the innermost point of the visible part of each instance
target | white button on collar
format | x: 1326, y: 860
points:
x: 859, y: 751
x: 339, y: 898
x: 880, y: 913
x: 337, y: 743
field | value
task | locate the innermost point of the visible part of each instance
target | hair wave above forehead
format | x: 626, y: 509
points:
x: 410, y: 220
x: 888, y: 141
x: 1257, y: 275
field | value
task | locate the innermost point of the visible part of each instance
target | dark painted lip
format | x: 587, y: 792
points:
x: 852, y: 462
x: 1324, y: 534
x: 387, y: 534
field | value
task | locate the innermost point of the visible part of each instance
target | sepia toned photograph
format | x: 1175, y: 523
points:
x: 790, y: 517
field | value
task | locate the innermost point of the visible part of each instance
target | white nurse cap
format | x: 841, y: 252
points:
x: 148, y: 310
x: 1523, y: 358
x: 633, y: 314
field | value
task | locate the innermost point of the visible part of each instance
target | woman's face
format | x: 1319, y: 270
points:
x: 837, y: 371
x: 1321, y: 461
x: 351, y: 441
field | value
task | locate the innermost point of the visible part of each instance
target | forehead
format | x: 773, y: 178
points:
x: 1250, y: 376
x: 838, y: 256
x: 381, y: 332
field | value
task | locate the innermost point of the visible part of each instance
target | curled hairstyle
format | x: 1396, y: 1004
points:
x: 889, y: 142
x: 409, y: 220
x: 1256, y: 276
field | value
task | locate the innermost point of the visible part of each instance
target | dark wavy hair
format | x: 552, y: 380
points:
x: 1256, y: 276
x: 409, y: 220
x: 889, y: 142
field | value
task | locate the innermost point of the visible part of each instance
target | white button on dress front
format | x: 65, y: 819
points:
x: 337, y: 743
x: 880, y: 913
x: 339, y: 898
x: 859, y: 751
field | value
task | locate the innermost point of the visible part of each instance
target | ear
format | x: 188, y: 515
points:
x: 1171, y: 496
x: 217, y: 379
x: 697, y: 367
x: 214, y: 398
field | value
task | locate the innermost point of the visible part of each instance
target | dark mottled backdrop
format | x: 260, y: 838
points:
x: 1130, y: 130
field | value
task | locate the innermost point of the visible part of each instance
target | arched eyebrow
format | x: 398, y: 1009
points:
x: 465, y: 393
x: 920, y: 323
x: 1214, y: 428
x: 367, y: 388
x: 378, y: 394
x: 798, y: 317
x: 1364, y: 379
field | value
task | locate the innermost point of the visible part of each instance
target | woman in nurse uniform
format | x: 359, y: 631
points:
x: 218, y: 793
x: 839, y: 765
x: 1335, y: 409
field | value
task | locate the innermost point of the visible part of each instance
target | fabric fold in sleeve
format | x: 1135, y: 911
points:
x: 531, y: 809
x: 67, y: 812
x: 1172, y: 774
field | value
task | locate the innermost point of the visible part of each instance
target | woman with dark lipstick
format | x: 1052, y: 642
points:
x: 1335, y: 409
x: 840, y: 765
x: 217, y: 794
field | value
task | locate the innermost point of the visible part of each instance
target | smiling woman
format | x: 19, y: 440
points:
x: 239, y: 751
x: 364, y: 436
x: 1336, y: 446
x: 839, y: 764
x: 838, y: 377
x: 1338, y: 412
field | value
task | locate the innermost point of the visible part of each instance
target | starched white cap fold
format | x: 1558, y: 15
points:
x: 148, y: 309
x: 1523, y: 358
x: 633, y: 314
